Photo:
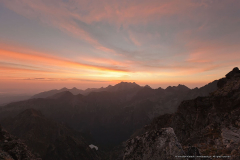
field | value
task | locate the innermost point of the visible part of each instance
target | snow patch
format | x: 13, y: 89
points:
x: 92, y: 146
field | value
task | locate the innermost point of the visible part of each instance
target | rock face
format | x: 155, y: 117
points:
x: 12, y: 148
x: 211, y: 123
x: 154, y: 145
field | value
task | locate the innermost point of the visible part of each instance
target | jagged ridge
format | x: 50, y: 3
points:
x: 211, y: 124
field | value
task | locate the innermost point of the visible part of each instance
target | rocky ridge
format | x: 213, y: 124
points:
x: 12, y: 148
x: 210, y: 124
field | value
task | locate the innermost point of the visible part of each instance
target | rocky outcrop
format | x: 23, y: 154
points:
x: 154, y: 145
x: 12, y: 148
x: 210, y: 124
x: 234, y: 73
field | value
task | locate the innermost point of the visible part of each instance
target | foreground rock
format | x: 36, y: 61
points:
x: 154, y: 145
x: 209, y: 124
x: 12, y: 148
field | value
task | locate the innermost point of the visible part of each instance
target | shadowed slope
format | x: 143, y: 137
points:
x: 50, y: 139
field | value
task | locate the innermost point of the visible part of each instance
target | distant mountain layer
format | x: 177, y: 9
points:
x: 8, y: 98
x: 118, y: 87
x: 113, y: 113
x: 124, y: 86
x: 209, y: 124
x: 53, y: 141
x: 55, y: 91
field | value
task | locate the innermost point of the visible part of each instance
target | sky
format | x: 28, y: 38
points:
x: 93, y: 43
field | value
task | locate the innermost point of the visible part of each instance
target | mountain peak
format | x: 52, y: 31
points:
x: 125, y: 85
x: 179, y: 87
x: 147, y: 86
x: 235, y: 72
x: 231, y: 75
x: 64, y: 89
x: 183, y: 87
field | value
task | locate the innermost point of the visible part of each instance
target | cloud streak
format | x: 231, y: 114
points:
x: 42, y: 59
x: 61, y: 79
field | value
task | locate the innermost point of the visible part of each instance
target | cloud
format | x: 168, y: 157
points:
x: 61, y: 79
x: 8, y: 70
x: 14, y: 65
x: 43, y: 59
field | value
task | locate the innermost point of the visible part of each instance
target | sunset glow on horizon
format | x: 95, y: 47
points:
x: 53, y: 44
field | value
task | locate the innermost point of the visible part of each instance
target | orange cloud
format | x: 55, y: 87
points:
x: 4, y: 69
x: 103, y: 61
x: 22, y: 63
x: 210, y: 53
x: 51, y: 60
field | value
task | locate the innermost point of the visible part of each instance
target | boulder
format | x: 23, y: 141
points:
x: 154, y: 145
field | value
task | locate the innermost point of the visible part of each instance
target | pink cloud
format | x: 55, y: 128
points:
x: 63, y: 15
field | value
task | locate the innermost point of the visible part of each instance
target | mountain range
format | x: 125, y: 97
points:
x: 75, y: 91
x: 110, y: 114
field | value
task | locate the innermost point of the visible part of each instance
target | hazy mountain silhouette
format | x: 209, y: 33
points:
x: 55, y: 91
x: 118, y: 87
x: 62, y: 95
x: 8, y: 98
